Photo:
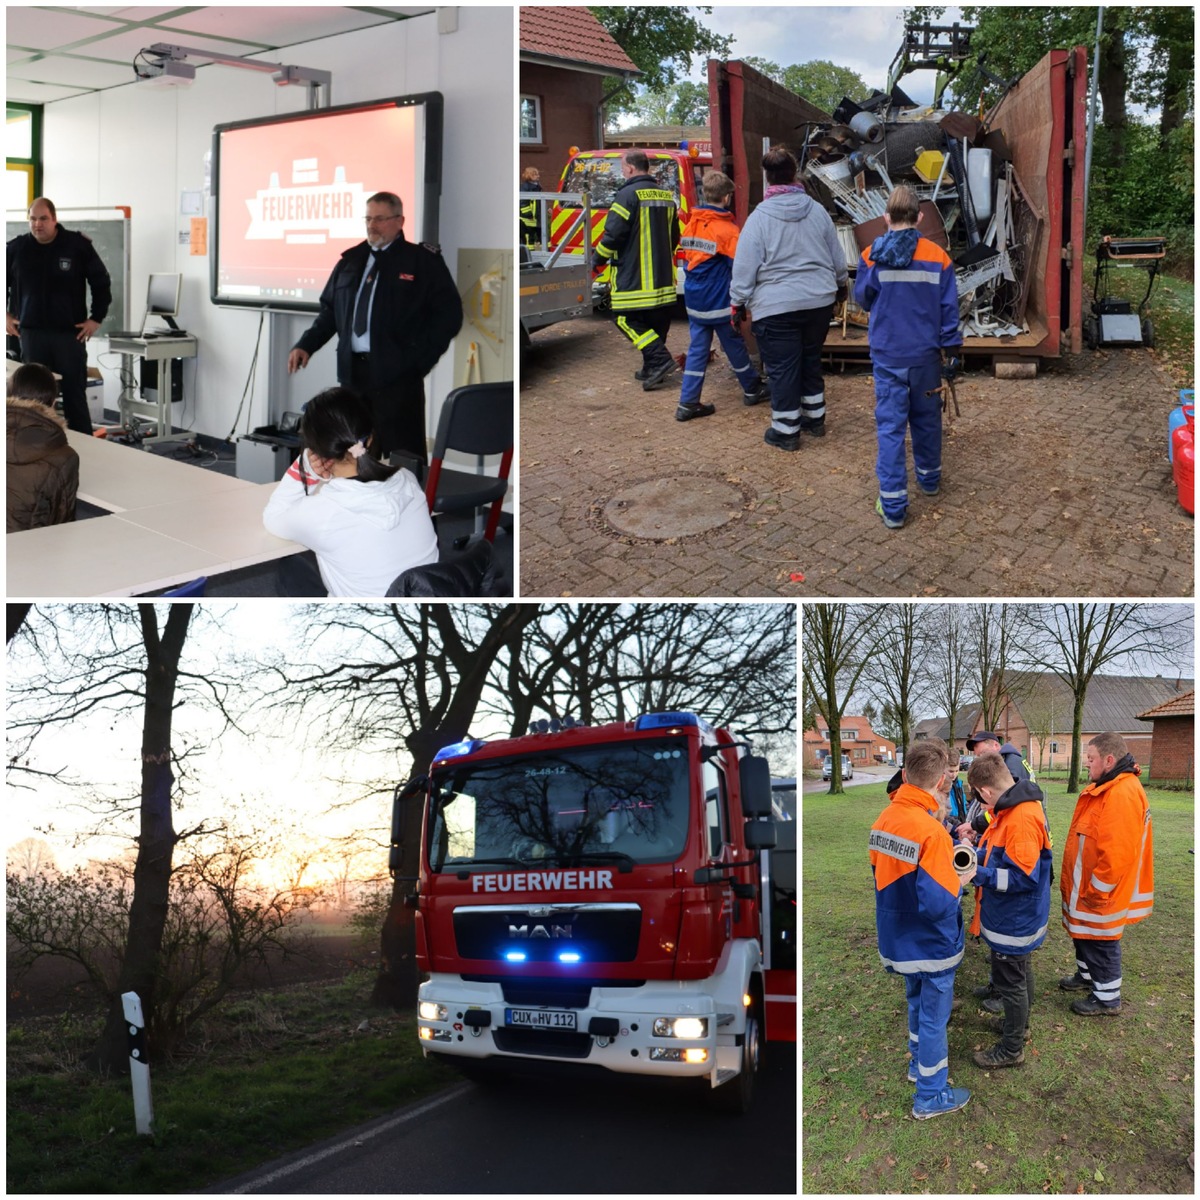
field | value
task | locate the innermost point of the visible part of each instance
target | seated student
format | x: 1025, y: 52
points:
x: 365, y: 521
x: 43, y: 470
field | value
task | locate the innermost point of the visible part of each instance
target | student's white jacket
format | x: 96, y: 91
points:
x: 363, y: 534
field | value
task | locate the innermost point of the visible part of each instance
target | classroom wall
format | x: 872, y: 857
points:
x: 143, y: 146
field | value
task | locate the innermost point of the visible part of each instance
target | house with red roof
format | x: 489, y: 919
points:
x: 568, y: 64
x: 864, y: 746
x: 1173, y: 740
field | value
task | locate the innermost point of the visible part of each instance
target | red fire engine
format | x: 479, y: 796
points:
x: 617, y: 896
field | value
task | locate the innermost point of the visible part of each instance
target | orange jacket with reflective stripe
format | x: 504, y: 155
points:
x: 1107, y: 879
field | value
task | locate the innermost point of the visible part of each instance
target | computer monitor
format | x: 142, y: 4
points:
x: 162, y: 297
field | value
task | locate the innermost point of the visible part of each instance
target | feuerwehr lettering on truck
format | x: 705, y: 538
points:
x: 542, y: 881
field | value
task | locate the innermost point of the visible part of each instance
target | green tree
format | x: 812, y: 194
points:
x: 663, y: 42
x: 683, y: 103
x: 819, y: 81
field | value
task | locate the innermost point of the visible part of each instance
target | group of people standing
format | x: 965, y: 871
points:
x: 1106, y: 882
x: 784, y: 273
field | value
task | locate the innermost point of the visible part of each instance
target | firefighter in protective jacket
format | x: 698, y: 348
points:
x: 641, y: 234
x: 1107, y: 879
x: 918, y: 918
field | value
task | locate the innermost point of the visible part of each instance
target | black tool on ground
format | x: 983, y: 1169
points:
x: 1113, y: 321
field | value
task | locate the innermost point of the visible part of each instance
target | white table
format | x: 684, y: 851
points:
x: 141, y: 550
x: 119, y: 478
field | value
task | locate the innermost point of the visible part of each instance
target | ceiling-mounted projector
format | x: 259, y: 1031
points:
x: 168, y: 73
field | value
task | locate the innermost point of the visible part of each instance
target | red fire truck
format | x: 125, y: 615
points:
x: 615, y: 896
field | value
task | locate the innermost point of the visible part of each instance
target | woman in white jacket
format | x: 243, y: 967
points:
x: 365, y: 520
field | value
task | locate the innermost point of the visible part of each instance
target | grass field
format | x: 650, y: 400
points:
x: 1101, y: 1105
x: 1171, y: 308
x: 269, y: 1073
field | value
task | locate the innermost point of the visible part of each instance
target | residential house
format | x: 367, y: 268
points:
x: 567, y: 57
x: 859, y: 741
x: 1173, y: 739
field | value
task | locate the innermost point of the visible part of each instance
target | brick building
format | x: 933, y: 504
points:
x: 859, y: 741
x: 567, y: 57
x: 1173, y: 738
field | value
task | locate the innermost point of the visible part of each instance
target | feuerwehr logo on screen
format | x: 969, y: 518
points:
x: 308, y: 210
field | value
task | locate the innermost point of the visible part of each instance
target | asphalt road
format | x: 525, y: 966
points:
x: 611, y: 1136
x: 872, y: 775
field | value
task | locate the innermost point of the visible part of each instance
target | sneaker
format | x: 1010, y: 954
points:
x: 933, y: 491
x: 781, y: 441
x: 1074, y: 983
x: 912, y: 1073
x: 997, y: 1027
x: 657, y: 375
x: 689, y: 412
x: 1091, y: 1007
x: 890, y: 522
x: 997, y: 1056
x: 985, y: 992
x: 813, y: 428
x: 760, y: 393
x: 946, y: 1101
x: 992, y: 1005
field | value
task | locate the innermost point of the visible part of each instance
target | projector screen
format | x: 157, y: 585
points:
x: 290, y: 193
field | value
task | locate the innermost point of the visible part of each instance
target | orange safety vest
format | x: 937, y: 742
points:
x: 1107, y: 879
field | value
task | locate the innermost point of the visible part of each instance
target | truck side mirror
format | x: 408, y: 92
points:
x: 760, y: 835
x: 755, y: 775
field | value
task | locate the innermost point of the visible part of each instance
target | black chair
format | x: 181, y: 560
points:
x: 476, y: 419
x: 471, y: 573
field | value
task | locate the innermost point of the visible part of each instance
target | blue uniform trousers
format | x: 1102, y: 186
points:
x: 901, y: 402
x: 694, y: 368
x: 1099, y: 962
x: 930, y: 995
x: 791, y: 345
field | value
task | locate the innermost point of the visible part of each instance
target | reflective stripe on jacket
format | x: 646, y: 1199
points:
x: 1013, y: 878
x: 917, y: 914
x: 1107, y: 877
x: 641, y: 233
x: 707, y: 248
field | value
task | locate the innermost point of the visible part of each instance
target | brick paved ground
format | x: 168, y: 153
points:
x: 1057, y: 486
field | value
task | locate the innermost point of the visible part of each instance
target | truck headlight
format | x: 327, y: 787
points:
x: 681, y: 1027
x: 427, y: 1010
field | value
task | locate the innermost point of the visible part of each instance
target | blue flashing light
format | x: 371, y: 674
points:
x: 515, y: 956
x: 665, y: 720
x: 458, y: 748
x: 570, y: 956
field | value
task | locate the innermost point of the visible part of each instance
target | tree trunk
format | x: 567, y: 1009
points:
x: 1112, y: 83
x: 156, y: 841
x: 1076, y: 743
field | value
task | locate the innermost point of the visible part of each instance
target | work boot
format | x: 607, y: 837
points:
x: 639, y: 375
x: 1091, y: 1007
x: 985, y: 992
x: 813, y: 428
x: 997, y: 1056
x: 1074, y: 983
x: 992, y: 1005
x: 658, y: 373
x: 997, y: 1027
x: 781, y: 441
x: 948, y: 1100
x: 689, y: 412
x: 930, y: 491
x: 890, y: 522
x: 760, y: 393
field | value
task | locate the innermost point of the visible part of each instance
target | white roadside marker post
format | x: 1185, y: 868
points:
x: 139, y: 1068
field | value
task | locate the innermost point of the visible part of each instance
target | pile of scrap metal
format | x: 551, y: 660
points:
x: 971, y: 201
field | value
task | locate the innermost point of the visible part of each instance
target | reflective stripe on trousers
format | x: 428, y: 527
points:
x: 929, y: 999
x: 901, y: 403
x: 697, y: 359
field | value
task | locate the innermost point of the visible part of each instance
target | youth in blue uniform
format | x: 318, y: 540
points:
x: 907, y: 284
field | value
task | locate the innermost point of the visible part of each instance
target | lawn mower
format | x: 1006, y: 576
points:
x: 1113, y: 321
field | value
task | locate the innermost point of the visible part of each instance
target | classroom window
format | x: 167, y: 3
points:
x: 22, y: 153
x: 531, y: 119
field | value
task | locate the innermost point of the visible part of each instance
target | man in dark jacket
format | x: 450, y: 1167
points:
x: 641, y: 234
x: 50, y: 270
x: 395, y: 309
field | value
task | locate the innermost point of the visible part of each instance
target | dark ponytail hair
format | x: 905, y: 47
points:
x: 333, y: 421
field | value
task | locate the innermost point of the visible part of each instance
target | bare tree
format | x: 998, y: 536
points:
x: 839, y: 643
x: 950, y: 662
x: 1080, y: 639
x: 996, y: 638
x: 29, y: 857
x: 896, y: 672
x: 76, y: 660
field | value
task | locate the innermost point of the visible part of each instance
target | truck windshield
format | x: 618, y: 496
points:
x: 624, y: 803
x: 602, y: 177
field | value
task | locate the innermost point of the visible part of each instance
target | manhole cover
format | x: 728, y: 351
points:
x: 678, y: 506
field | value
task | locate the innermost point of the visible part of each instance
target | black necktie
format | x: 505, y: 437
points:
x: 364, y: 297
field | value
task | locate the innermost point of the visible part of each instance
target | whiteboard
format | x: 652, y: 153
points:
x: 109, y: 230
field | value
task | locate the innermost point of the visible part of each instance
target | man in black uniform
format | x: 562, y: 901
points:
x: 395, y: 308
x: 641, y: 235
x: 50, y: 269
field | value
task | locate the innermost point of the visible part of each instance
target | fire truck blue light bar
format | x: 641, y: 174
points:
x: 663, y: 720
x: 457, y: 748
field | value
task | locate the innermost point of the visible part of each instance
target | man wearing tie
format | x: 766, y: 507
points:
x: 395, y: 309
